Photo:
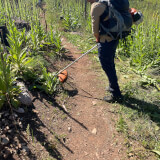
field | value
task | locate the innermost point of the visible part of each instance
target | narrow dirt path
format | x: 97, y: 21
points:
x: 89, y: 128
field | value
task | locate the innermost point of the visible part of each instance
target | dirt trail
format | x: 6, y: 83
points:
x: 85, y: 132
x: 90, y: 131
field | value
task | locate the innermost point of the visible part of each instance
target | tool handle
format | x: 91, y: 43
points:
x: 77, y: 59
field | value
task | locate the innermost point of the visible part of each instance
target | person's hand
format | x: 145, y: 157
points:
x: 97, y: 40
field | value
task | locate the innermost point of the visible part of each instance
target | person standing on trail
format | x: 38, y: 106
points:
x: 107, y: 44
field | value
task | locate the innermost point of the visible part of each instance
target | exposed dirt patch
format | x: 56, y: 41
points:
x: 90, y: 131
x: 75, y: 125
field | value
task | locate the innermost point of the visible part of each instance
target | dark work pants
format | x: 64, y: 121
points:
x: 106, y: 53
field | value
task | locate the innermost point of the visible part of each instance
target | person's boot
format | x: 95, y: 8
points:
x: 108, y: 89
x: 112, y: 99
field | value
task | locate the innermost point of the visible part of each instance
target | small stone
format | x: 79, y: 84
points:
x: 16, y: 147
x: 24, y: 96
x: 10, y: 131
x: 69, y: 129
x: 97, y: 155
x: 23, y: 144
x: 35, y: 111
x: 85, y: 153
x: 6, y: 153
x: 16, y: 138
x: 94, y: 131
x: 94, y: 103
x: 130, y: 154
x: 6, y: 129
x: 5, y: 141
x: 15, y: 115
x: 10, y: 117
x: 6, y: 114
x: 25, y: 149
x: 19, y: 110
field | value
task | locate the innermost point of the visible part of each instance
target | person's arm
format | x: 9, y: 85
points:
x: 96, y: 11
x: 97, y: 37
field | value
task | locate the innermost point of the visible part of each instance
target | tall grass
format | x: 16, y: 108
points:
x: 72, y: 13
x: 143, y: 45
x: 20, y: 61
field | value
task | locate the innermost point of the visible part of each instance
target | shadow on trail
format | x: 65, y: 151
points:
x: 42, y: 96
x: 35, y: 124
x: 31, y: 136
x: 91, y: 97
x: 67, y: 57
x: 59, y: 140
x: 62, y: 109
x: 35, y: 127
x: 150, y: 109
x: 74, y: 91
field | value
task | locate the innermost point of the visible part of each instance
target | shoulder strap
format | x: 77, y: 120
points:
x: 106, y: 11
x: 113, y: 13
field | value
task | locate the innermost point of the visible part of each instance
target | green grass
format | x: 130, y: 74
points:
x: 27, y: 50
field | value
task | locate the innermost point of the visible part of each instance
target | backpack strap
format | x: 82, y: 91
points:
x: 120, y: 21
x: 106, y: 11
x: 113, y: 13
x: 104, y: 15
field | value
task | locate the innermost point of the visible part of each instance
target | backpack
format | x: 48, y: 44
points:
x: 115, y: 26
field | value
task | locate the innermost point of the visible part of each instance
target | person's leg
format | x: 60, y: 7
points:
x: 106, y: 53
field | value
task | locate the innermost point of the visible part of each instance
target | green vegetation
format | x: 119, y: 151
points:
x: 8, y: 91
x: 28, y: 45
x: 138, y: 66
